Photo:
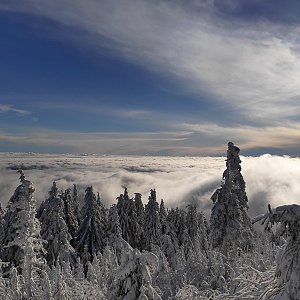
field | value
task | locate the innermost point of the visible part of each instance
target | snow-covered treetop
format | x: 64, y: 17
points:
x: 230, y: 224
x: 233, y: 159
x: 22, y: 176
x: 152, y: 195
x: 54, y: 191
x: 25, y: 182
x: 287, y: 215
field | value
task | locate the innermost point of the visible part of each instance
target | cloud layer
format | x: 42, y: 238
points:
x: 178, y: 180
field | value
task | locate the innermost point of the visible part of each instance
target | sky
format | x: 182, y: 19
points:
x: 159, y: 77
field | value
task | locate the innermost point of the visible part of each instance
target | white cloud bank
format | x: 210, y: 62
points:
x: 178, y: 180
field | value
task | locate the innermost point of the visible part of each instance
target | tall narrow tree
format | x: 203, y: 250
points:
x: 52, y: 194
x: 197, y: 229
x: 139, y: 208
x: 75, y: 202
x: 152, y: 226
x: 131, y: 229
x: 90, y: 238
x: 230, y: 224
x: 22, y: 240
x: 70, y: 214
x: 55, y: 231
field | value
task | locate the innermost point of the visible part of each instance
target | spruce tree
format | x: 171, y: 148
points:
x: 55, y: 231
x: 104, y: 212
x: 133, y: 280
x: 131, y: 229
x: 139, y: 208
x: 197, y: 229
x: 170, y: 226
x: 20, y: 223
x: 152, y: 226
x: 168, y: 241
x: 70, y: 213
x: 163, y: 217
x: 113, y: 230
x: 134, y: 227
x: 123, y: 217
x: 90, y: 238
x: 23, y: 246
x: 1, y: 227
x: 230, y: 225
x: 287, y: 259
x: 75, y: 202
x: 52, y: 194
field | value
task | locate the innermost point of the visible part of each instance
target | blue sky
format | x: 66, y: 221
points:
x: 150, y: 77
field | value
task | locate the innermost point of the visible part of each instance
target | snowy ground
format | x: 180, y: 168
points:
x: 178, y: 180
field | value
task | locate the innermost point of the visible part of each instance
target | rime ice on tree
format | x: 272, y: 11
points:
x: 55, y: 230
x: 70, y: 212
x: 20, y: 223
x: 230, y: 225
x: 152, y: 226
x: 22, y: 240
x: 91, y: 233
x: 129, y: 222
x: 288, y: 259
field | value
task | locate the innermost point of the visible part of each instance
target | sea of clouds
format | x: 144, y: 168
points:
x: 177, y: 180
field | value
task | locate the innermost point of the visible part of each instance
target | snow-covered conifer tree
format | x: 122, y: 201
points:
x: 152, y: 226
x: 162, y: 216
x: 133, y: 280
x: 230, y: 226
x: 139, y: 208
x: 75, y: 202
x: 131, y: 229
x: 104, y: 265
x: 288, y: 260
x: 104, y: 212
x: 22, y: 240
x: 15, y: 284
x: 172, y: 239
x: 123, y: 217
x: 90, y: 238
x: 114, y: 230
x: 170, y: 226
x: 70, y: 213
x: 1, y: 226
x: 52, y: 194
x: 59, y: 285
x: 55, y: 231
x: 134, y: 227
x: 18, y: 220
x: 79, y: 271
x: 197, y: 229
x: 168, y: 241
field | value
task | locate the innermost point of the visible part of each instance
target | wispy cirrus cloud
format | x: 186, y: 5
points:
x: 252, y: 67
x: 183, y: 139
x: 104, y: 110
x: 5, y: 108
x: 96, y: 142
x: 284, y: 137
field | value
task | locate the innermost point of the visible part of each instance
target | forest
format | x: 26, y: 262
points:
x: 70, y: 247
